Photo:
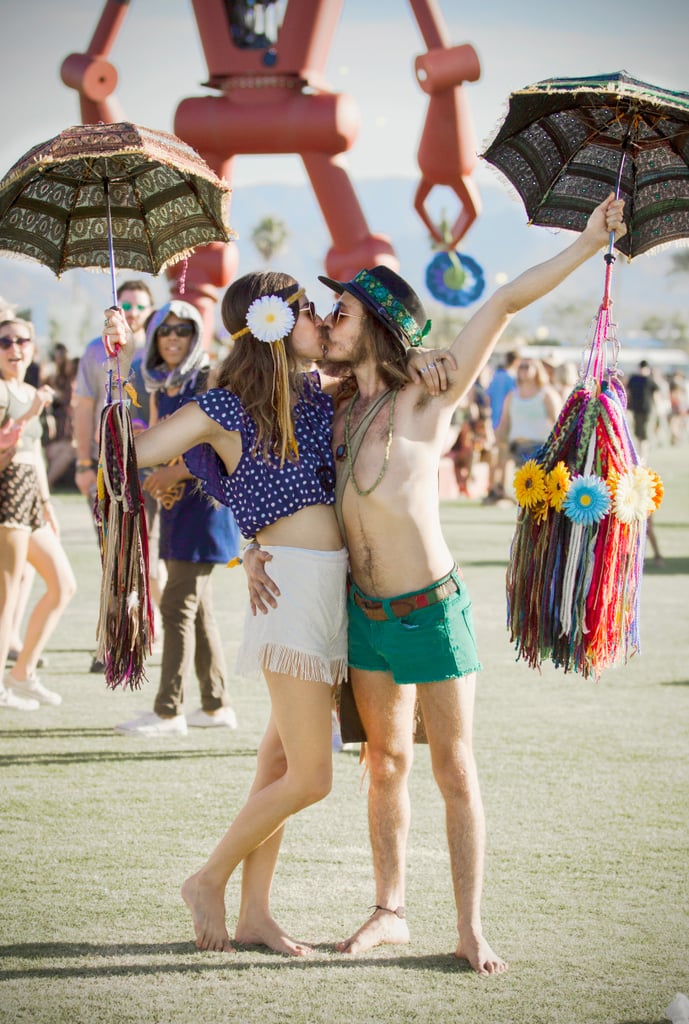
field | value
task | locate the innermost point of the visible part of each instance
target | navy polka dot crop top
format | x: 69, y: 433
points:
x: 259, y: 492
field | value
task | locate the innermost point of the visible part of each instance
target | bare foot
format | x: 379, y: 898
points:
x: 266, y: 931
x: 207, y: 905
x: 480, y: 956
x: 383, y: 927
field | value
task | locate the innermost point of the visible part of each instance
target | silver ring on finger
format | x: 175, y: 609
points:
x: 431, y: 366
x: 424, y: 369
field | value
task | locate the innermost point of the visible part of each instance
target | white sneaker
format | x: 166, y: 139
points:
x: 10, y: 701
x: 33, y: 689
x: 151, y: 724
x: 201, y: 719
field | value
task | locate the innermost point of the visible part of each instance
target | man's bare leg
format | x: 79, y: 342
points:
x: 255, y: 924
x: 448, y: 708
x: 386, y: 712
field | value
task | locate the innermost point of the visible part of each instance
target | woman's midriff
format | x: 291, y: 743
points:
x: 314, y: 527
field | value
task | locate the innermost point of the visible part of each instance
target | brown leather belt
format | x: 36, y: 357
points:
x: 401, y: 606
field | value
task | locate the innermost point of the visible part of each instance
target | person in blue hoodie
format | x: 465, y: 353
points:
x: 196, y: 534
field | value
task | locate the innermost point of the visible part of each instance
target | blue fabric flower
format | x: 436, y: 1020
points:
x: 587, y: 501
x: 454, y: 279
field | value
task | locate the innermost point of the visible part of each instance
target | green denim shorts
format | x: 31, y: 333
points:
x: 427, y: 645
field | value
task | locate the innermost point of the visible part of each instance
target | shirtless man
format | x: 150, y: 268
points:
x: 407, y: 596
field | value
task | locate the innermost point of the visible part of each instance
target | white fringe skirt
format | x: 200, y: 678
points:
x: 306, y: 635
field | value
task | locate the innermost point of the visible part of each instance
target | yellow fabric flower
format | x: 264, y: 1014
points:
x: 540, y: 511
x: 557, y: 485
x: 612, y: 480
x: 634, y: 495
x: 529, y: 484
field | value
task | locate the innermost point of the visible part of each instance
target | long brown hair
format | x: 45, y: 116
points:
x: 261, y: 373
x: 391, y: 360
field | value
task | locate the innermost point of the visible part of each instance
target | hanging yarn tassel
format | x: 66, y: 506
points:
x: 125, y: 620
x: 282, y: 402
x: 576, y: 559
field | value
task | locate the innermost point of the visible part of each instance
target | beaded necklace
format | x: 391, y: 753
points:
x: 348, y: 448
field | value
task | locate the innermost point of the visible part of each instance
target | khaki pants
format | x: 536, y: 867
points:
x: 190, y: 632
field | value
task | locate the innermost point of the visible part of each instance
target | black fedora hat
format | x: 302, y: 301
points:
x: 391, y: 300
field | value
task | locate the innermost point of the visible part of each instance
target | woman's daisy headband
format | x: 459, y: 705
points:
x: 270, y: 318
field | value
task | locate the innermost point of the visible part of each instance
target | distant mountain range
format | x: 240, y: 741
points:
x: 500, y: 241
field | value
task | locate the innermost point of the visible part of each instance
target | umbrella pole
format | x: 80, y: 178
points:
x: 610, y: 254
x: 113, y: 283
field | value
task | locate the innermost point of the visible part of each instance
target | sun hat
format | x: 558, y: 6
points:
x: 392, y: 301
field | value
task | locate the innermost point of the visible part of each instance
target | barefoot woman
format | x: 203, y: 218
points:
x: 264, y: 450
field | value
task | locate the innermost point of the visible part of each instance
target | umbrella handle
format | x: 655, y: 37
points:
x: 113, y: 283
x: 111, y: 250
x: 610, y: 254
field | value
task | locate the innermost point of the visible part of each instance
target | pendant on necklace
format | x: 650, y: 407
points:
x: 340, y: 452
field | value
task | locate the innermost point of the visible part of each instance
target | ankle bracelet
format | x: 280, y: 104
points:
x: 398, y: 911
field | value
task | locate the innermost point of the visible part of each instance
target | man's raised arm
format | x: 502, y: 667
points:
x: 475, y: 342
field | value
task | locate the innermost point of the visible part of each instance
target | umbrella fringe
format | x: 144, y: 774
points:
x: 573, y: 588
x: 125, y: 620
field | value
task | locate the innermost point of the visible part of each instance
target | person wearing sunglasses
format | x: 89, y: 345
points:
x: 411, y: 631
x: 29, y: 532
x: 90, y: 395
x: 195, y: 536
x: 260, y: 444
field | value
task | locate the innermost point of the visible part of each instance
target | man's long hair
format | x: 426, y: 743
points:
x: 262, y: 374
x: 389, y: 355
x: 387, y: 352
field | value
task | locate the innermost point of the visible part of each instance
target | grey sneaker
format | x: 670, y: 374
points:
x: 10, y: 701
x: 201, y: 719
x: 33, y: 688
x: 151, y: 724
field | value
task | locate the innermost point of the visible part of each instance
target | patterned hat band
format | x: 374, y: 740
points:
x: 391, y: 308
x: 270, y: 318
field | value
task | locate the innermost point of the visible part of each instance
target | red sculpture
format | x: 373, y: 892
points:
x: 267, y: 69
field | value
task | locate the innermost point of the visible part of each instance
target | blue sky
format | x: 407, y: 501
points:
x: 159, y: 60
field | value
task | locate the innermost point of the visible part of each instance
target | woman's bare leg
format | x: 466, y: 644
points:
x: 13, y: 547
x: 255, y: 923
x: 47, y: 556
x: 301, y: 716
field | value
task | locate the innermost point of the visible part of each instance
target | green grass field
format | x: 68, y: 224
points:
x: 586, y: 794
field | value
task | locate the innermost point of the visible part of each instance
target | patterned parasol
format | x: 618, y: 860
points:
x: 584, y: 500
x: 164, y: 201
x: 114, y: 196
x: 566, y: 143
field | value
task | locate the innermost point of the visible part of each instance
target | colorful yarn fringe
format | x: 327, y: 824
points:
x: 576, y: 558
x: 125, y: 621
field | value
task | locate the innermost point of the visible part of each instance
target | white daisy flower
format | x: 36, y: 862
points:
x: 269, y: 318
x: 634, y: 495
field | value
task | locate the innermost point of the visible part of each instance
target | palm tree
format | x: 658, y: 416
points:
x: 269, y: 236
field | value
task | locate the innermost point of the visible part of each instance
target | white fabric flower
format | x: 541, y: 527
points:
x: 634, y: 495
x: 269, y: 318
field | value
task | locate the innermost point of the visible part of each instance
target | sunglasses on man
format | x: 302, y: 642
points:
x: 7, y: 343
x: 140, y: 306
x: 181, y: 330
x: 337, y: 311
